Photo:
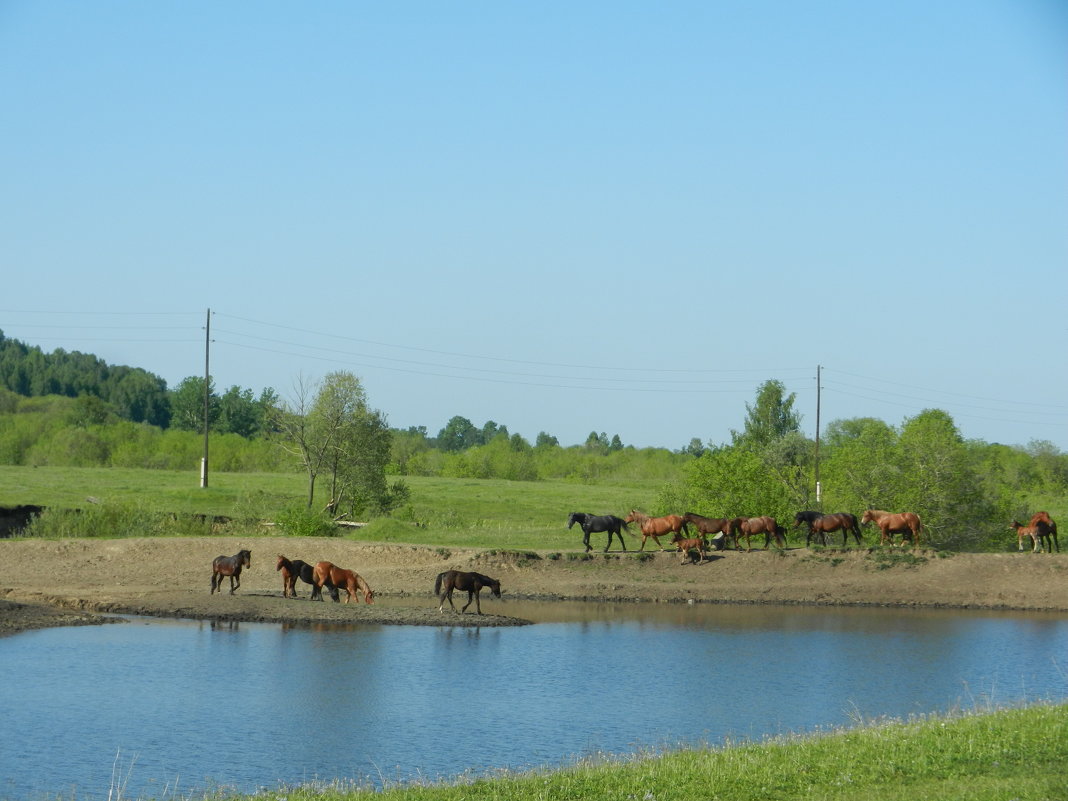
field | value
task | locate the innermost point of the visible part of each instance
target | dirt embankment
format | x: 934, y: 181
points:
x: 67, y: 582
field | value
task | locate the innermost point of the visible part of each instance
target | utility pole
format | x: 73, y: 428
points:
x: 207, y: 400
x: 818, y: 488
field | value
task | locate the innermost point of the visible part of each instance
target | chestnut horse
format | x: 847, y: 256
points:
x: 292, y: 569
x: 331, y: 576
x: 656, y: 527
x: 891, y: 523
x: 472, y: 583
x: 761, y: 525
x: 1031, y: 531
x: 1047, y: 530
x: 229, y: 566
x: 688, y: 546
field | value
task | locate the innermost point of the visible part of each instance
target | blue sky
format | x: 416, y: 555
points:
x: 563, y: 217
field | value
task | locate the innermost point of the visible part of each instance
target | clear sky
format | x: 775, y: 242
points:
x: 561, y: 216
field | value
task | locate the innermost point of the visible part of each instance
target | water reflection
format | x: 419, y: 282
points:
x: 249, y: 705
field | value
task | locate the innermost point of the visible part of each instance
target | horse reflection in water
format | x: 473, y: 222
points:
x: 229, y: 566
x: 472, y: 583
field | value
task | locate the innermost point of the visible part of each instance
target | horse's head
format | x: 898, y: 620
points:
x: 495, y: 587
x: 245, y: 558
x: 281, y: 562
x: 634, y: 517
x: 369, y: 596
x: 869, y: 516
x: 576, y: 517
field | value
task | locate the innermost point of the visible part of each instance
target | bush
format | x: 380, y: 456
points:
x: 299, y: 521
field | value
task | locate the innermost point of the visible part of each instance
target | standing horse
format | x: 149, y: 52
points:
x: 292, y: 569
x: 472, y: 583
x: 1047, y: 531
x: 229, y: 566
x: 765, y: 525
x: 891, y: 523
x: 656, y: 527
x: 1031, y: 531
x: 689, y: 547
x: 591, y: 524
x: 332, y: 577
x: 825, y: 524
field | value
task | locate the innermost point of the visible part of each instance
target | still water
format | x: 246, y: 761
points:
x: 169, y: 708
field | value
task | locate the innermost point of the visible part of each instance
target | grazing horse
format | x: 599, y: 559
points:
x: 472, y: 583
x: 762, y: 525
x: 1023, y: 532
x: 292, y: 569
x: 1048, y: 531
x: 891, y: 523
x: 591, y: 524
x: 229, y: 566
x: 332, y: 577
x: 825, y: 524
x: 656, y: 527
x: 688, y: 546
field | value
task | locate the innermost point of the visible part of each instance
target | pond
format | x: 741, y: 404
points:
x: 171, y: 708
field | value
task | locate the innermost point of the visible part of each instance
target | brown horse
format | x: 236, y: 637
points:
x: 708, y: 525
x: 761, y: 525
x: 1047, y: 530
x: 472, y: 583
x: 825, y: 524
x: 688, y: 546
x: 656, y: 527
x: 891, y: 523
x: 1023, y: 532
x: 229, y: 566
x: 331, y: 576
x: 291, y: 570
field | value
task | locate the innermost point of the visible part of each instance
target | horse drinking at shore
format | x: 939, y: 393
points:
x: 656, y: 527
x: 1047, y: 531
x: 591, y: 524
x: 891, y: 523
x: 291, y: 570
x: 765, y: 525
x: 329, y: 575
x: 472, y: 583
x: 229, y: 566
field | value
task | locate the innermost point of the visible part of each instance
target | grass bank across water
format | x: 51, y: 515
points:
x: 1013, y: 754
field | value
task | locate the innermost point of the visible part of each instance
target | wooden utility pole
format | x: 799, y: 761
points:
x: 818, y: 488
x: 207, y: 400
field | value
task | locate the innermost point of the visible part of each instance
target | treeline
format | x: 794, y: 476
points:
x: 965, y: 491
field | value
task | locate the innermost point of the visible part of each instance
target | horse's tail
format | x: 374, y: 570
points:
x: 437, y: 583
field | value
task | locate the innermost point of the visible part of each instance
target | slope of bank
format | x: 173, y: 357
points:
x: 171, y: 577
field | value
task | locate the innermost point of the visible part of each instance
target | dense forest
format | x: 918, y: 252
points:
x: 72, y: 409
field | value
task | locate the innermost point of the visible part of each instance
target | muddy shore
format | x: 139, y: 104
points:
x: 171, y: 578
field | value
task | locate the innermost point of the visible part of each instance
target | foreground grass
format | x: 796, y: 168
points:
x: 1017, y: 754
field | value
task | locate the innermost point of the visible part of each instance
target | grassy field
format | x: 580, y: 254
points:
x: 1015, y: 754
x: 478, y: 513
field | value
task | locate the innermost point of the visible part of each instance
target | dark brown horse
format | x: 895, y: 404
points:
x: 822, y: 525
x: 656, y: 527
x: 765, y: 525
x: 329, y: 575
x: 472, y: 583
x: 718, y: 528
x: 591, y: 524
x: 1047, y: 530
x: 891, y: 523
x: 229, y: 566
x: 291, y: 570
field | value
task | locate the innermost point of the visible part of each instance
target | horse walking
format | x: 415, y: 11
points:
x: 765, y: 525
x: 329, y: 575
x: 472, y: 583
x: 656, y: 527
x: 591, y: 524
x: 821, y: 525
x: 691, y: 546
x: 229, y: 566
x: 891, y: 523
x: 291, y: 570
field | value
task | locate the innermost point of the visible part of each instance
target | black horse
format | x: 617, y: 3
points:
x: 292, y: 569
x: 472, y: 583
x: 819, y: 524
x: 229, y: 566
x: 595, y: 523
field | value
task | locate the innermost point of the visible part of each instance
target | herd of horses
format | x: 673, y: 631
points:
x: 719, y: 532
x: 334, y: 579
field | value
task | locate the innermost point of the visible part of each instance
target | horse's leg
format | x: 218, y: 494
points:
x: 235, y: 582
x: 470, y: 597
x: 586, y: 540
x: 213, y: 576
